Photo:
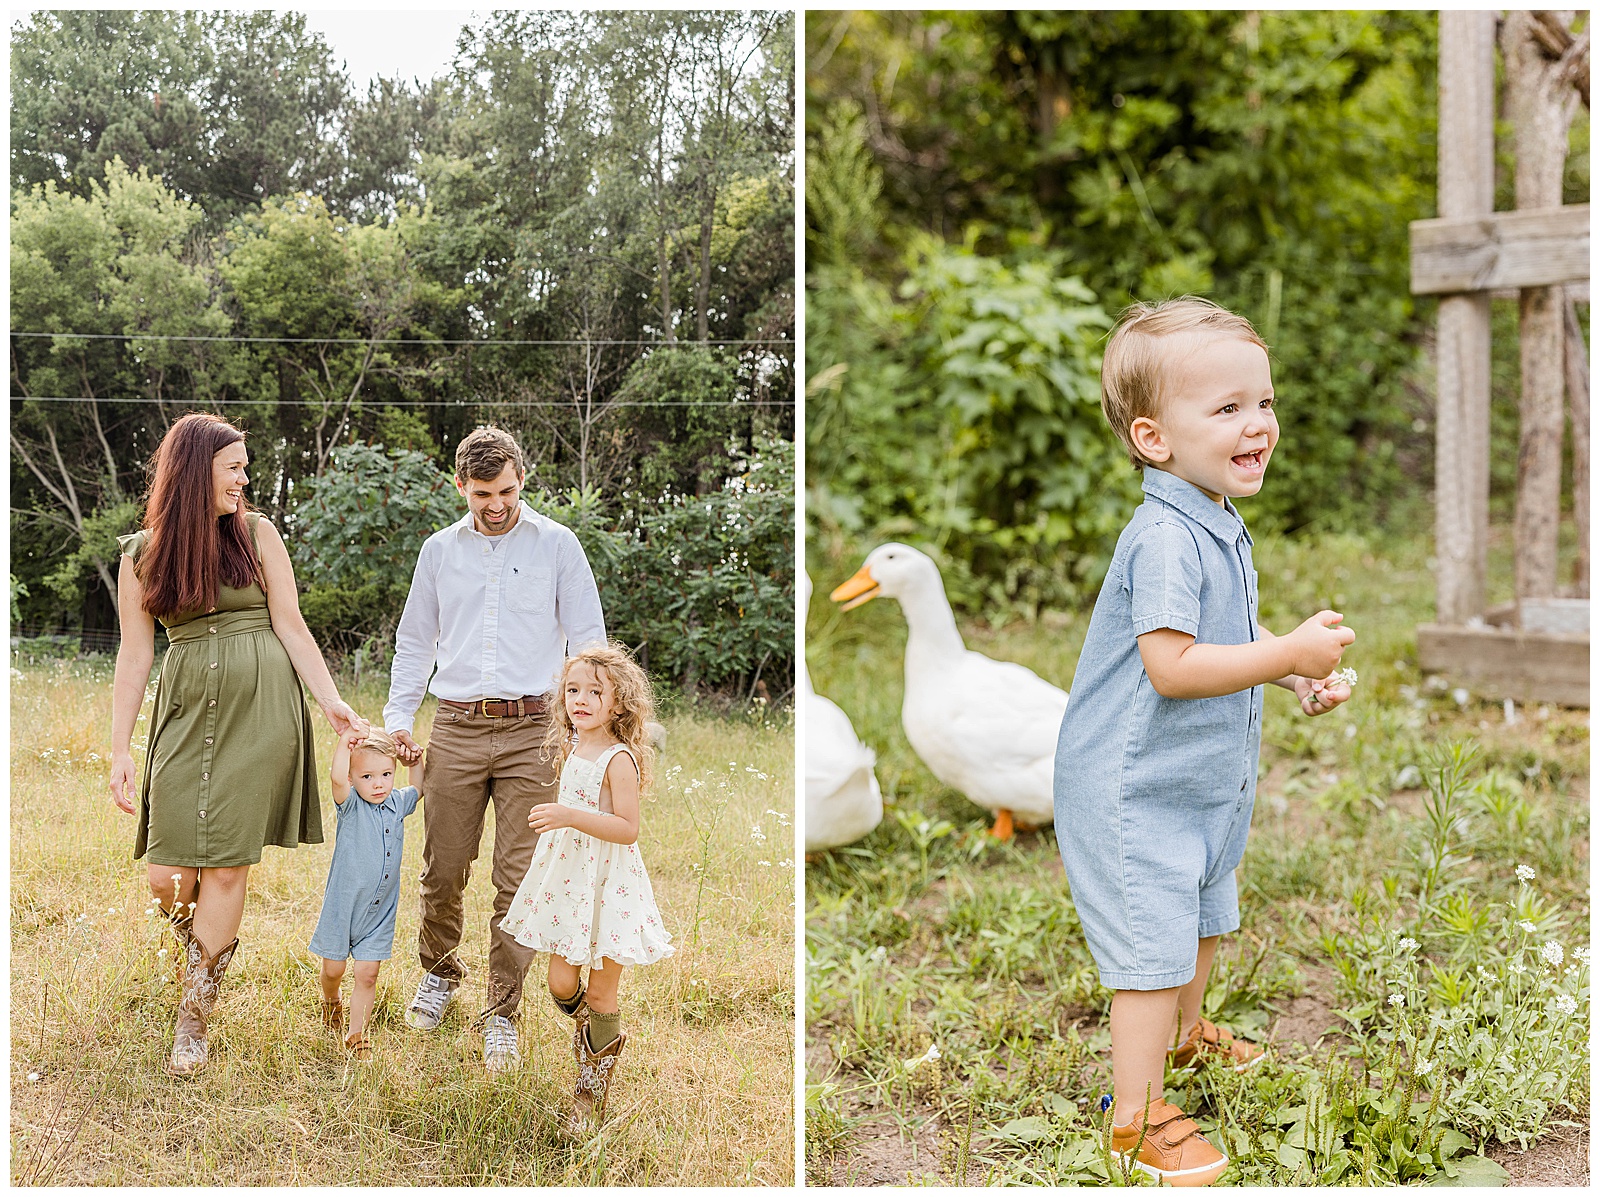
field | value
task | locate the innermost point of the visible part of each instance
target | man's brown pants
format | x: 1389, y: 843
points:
x: 471, y: 761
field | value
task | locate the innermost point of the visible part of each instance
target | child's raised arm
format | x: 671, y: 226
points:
x: 620, y: 827
x: 1180, y: 668
x: 414, y: 774
x: 339, y: 767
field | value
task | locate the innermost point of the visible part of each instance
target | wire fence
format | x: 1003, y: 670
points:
x: 421, y: 343
x: 599, y: 406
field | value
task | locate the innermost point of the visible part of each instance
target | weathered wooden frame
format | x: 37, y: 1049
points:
x: 1462, y: 256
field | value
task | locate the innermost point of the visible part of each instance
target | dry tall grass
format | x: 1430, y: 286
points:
x: 703, y: 1094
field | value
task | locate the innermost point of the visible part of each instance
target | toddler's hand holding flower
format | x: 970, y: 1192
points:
x: 548, y: 816
x: 1320, y: 697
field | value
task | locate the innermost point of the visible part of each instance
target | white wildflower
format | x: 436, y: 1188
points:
x: 1526, y: 926
x: 162, y: 952
x: 1346, y: 676
x: 1553, y: 954
x: 1424, y: 1066
x: 1407, y: 944
x: 757, y: 835
x: 931, y: 1056
x: 1397, y: 999
x: 880, y: 954
x: 33, y: 1076
x: 1517, y: 968
x: 766, y: 864
x: 1581, y: 954
x: 1566, y: 1003
x: 1525, y: 873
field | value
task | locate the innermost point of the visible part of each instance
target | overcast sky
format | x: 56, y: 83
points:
x: 410, y: 43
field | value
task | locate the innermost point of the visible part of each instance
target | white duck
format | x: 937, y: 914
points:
x: 843, y: 802
x: 987, y: 728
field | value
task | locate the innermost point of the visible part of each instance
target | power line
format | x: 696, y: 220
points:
x: 415, y: 403
x: 77, y: 336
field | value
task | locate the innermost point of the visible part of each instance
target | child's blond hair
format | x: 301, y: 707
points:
x: 635, y: 706
x: 1136, y: 365
x: 378, y: 741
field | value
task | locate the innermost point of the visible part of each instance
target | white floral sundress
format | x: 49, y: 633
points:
x: 586, y: 898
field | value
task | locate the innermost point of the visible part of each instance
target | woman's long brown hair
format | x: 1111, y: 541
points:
x: 190, y: 549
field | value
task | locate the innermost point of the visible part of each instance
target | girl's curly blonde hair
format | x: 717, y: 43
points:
x: 635, y: 706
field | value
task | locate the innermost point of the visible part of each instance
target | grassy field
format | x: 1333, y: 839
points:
x: 1423, y: 1023
x: 703, y: 1094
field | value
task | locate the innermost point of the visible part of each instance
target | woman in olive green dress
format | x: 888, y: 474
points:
x: 230, y: 766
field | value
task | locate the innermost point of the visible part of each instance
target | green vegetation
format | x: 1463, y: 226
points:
x: 1383, y: 863
x: 582, y: 232
x: 984, y: 189
x: 704, y: 1093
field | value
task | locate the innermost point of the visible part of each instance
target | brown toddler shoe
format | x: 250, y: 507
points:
x: 1209, y: 1043
x: 359, y: 1047
x: 1169, y: 1147
x: 333, y: 1014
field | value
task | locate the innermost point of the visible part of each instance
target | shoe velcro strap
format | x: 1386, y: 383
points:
x: 1174, y: 1129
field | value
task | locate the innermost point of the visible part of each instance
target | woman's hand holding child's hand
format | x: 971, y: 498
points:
x: 1317, y: 645
x: 548, y: 816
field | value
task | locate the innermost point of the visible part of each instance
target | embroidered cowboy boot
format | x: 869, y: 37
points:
x: 594, y: 1080
x: 202, y: 978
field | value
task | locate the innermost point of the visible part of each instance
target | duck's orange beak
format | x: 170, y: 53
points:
x: 861, y: 588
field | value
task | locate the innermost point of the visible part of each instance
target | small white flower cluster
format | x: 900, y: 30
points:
x: 1553, y: 954
x: 1566, y: 1003
x: 1581, y: 955
x: 1526, y: 926
x: 1407, y: 944
x: 1345, y: 676
x: 1424, y: 1066
x: 931, y: 1056
x: 1397, y: 999
x: 1525, y: 873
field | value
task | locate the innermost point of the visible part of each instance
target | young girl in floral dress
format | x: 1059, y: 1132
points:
x: 586, y: 899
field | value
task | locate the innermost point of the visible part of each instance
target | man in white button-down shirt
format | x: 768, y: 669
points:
x: 497, y: 602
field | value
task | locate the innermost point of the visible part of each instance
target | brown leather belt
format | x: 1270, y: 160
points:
x: 500, y: 708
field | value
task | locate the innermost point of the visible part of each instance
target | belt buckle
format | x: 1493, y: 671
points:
x: 484, y: 708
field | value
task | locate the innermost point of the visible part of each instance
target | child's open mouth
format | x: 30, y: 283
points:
x: 1250, y: 461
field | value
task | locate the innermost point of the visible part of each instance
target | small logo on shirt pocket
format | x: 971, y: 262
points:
x: 530, y: 590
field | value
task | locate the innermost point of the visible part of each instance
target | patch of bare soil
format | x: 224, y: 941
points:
x: 1309, y: 1017
x: 1559, y: 1160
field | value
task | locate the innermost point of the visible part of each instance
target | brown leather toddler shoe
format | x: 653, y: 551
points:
x: 1172, y: 1149
x: 1209, y: 1043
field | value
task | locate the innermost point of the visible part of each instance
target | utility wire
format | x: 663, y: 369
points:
x: 412, y: 403
x: 391, y: 340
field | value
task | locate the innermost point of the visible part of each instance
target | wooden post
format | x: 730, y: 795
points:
x: 1577, y: 358
x: 1540, y: 102
x: 1466, y: 189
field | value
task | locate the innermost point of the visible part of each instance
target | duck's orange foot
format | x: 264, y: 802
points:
x: 1003, y: 826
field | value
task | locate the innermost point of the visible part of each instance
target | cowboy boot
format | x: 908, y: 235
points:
x: 202, y: 977
x: 571, y: 1006
x: 594, y: 1080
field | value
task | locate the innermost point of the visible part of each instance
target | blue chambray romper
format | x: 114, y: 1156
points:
x: 1153, y: 795
x: 363, y: 892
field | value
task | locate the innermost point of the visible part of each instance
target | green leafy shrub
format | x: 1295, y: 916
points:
x: 355, y: 536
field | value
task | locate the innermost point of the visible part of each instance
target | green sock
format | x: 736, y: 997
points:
x: 603, y: 1028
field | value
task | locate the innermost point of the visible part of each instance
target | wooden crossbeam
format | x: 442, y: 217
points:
x: 1539, y: 247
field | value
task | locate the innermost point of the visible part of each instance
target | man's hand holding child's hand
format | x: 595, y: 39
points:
x: 409, y: 751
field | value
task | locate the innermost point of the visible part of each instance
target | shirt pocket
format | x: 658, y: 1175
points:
x: 531, y: 590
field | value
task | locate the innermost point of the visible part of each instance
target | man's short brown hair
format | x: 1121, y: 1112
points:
x: 1138, y: 357
x: 484, y: 452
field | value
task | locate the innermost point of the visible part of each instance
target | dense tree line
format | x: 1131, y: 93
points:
x: 986, y: 190
x: 582, y: 232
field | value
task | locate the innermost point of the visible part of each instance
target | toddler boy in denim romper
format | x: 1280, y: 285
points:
x: 1156, y: 765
